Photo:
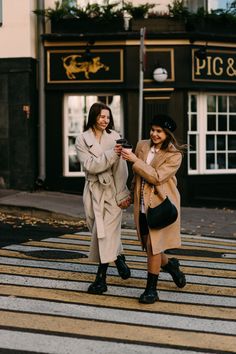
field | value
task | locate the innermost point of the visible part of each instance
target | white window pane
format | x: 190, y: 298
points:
x: 76, y: 109
x: 222, y: 104
x: 232, y: 142
x: 232, y: 104
x: 221, y: 143
x: 193, y: 161
x: 193, y: 103
x: 212, y: 147
x: 211, y: 122
x: 232, y: 123
x: 193, y: 122
x: 192, y: 143
x: 211, y: 104
x: 221, y: 161
x: 222, y: 122
x: 232, y: 160
x: 210, y: 143
x: 211, y: 163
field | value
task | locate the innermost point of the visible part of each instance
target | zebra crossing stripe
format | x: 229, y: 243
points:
x: 113, y: 331
x: 56, y: 344
x: 122, y: 302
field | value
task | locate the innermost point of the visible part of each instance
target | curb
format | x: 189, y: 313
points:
x: 38, y: 213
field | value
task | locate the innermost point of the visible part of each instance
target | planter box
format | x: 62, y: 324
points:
x: 158, y: 24
x: 211, y: 26
x: 74, y: 25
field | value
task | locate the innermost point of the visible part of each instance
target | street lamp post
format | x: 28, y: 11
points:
x: 141, y: 72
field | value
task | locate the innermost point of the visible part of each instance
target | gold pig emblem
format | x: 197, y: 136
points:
x: 73, y: 65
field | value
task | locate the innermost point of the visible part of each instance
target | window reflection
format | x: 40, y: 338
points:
x: 222, y: 103
x: 211, y: 103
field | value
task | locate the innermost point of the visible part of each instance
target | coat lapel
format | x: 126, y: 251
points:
x: 92, y: 143
x: 159, y: 156
x: 158, y: 159
x: 144, y: 149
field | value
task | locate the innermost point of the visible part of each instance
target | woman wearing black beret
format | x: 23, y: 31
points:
x: 155, y: 163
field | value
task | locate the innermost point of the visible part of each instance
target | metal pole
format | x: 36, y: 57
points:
x: 42, y: 124
x: 141, y: 70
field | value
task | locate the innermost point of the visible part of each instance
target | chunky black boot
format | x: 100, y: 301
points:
x: 99, y: 286
x: 122, y: 267
x: 172, y: 267
x: 150, y: 294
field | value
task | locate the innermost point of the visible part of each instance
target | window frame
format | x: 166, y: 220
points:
x: 66, y: 134
x: 201, y: 133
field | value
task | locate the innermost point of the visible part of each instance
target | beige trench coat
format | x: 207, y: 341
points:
x: 160, y: 173
x: 105, y: 187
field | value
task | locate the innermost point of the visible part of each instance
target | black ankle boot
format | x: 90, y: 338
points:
x: 150, y: 294
x: 99, y: 286
x: 122, y: 267
x: 172, y: 267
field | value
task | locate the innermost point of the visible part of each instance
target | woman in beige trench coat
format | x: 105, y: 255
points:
x: 155, y: 164
x: 105, y: 192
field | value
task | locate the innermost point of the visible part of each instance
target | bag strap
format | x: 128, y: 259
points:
x: 163, y: 195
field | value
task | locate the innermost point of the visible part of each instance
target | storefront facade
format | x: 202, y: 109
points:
x: 199, y: 93
x: 48, y: 83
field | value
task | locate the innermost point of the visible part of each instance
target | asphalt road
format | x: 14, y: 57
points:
x: 45, y: 307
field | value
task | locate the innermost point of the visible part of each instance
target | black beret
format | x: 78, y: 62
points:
x: 164, y: 121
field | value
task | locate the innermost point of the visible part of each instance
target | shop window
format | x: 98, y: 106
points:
x: 211, y: 133
x: 76, y: 109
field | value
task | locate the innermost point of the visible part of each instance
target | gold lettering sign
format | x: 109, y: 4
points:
x: 216, y: 66
x: 74, y: 65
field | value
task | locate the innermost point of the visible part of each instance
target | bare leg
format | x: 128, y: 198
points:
x: 164, y: 259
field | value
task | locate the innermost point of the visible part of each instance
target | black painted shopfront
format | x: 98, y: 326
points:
x: 199, y: 93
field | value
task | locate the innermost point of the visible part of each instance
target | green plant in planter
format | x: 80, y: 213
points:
x: 105, y: 11
x: 110, y: 11
x: 68, y: 17
x: 139, y: 11
x: 178, y: 10
x: 63, y: 9
x: 217, y: 21
x: 69, y: 9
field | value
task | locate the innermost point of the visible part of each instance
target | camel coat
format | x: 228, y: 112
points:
x: 160, y: 174
x: 105, y: 187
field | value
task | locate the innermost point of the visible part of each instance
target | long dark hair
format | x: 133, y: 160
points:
x: 94, y: 112
x: 171, y: 139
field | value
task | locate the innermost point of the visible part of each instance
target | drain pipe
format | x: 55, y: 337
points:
x: 41, y: 100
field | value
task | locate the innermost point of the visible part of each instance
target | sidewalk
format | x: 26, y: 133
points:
x: 45, y: 204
